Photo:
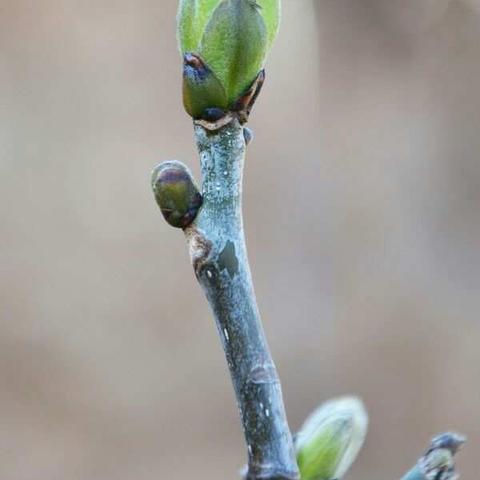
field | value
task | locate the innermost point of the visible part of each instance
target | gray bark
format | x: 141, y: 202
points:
x: 219, y: 257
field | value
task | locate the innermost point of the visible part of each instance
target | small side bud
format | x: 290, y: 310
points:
x: 331, y: 439
x: 176, y: 193
x: 450, y: 441
x: 438, y: 461
x: 248, y: 135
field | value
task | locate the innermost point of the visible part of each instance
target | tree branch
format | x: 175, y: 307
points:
x: 219, y: 257
x: 212, y: 221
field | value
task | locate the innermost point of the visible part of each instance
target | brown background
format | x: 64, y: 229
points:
x: 362, y: 215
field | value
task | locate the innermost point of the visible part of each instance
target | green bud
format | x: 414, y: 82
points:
x: 176, y: 193
x: 229, y: 41
x: 331, y: 439
x: 202, y: 91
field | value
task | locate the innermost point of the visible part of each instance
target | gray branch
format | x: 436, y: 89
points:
x: 219, y: 257
x: 212, y: 222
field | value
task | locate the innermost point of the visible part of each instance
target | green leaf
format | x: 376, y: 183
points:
x: 319, y: 460
x: 331, y: 438
x: 234, y: 45
x: 271, y: 12
x: 192, y: 18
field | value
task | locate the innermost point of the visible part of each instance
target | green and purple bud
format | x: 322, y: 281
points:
x: 331, y: 438
x: 224, y: 44
x: 176, y: 193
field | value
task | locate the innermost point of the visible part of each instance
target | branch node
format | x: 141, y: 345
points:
x: 213, y: 126
x: 263, y: 374
x: 200, y: 248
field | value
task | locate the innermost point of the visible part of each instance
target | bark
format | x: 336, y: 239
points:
x: 219, y: 257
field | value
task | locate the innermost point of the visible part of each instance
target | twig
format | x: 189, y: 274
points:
x: 212, y: 222
x: 222, y: 77
x: 218, y: 253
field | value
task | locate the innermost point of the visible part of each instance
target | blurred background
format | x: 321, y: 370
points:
x: 362, y: 201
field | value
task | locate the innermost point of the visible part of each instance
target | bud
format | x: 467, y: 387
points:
x: 224, y: 44
x: 176, y: 193
x: 331, y: 439
x: 438, y: 462
x: 450, y: 441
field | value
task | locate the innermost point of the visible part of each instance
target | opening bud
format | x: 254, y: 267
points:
x: 331, y: 438
x: 224, y: 44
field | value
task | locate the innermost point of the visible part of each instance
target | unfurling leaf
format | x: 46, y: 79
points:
x: 229, y: 41
x: 331, y: 439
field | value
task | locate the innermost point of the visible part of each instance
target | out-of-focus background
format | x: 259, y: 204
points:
x: 362, y: 205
